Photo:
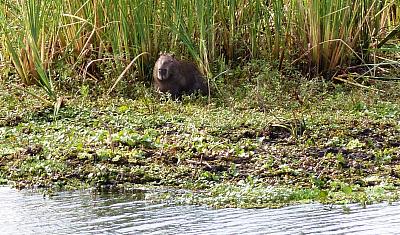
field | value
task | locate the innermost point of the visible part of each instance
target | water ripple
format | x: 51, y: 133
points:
x: 83, y: 213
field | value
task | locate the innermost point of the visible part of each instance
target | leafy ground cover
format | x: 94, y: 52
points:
x: 267, y: 141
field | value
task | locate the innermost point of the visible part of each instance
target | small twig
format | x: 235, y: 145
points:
x: 199, y: 163
x: 125, y: 70
x: 32, y: 94
x: 340, y: 78
x: 91, y: 62
x: 110, y: 140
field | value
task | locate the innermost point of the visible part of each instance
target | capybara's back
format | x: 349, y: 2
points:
x: 177, y: 77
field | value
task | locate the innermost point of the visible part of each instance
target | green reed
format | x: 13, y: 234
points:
x: 322, y: 35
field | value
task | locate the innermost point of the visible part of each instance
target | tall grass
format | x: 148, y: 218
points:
x: 321, y: 35
x: 334, y: 33
x: 29, y: 42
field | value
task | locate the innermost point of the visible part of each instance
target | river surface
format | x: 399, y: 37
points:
x: 24, y: 212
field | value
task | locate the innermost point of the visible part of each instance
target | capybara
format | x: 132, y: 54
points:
x: 177, y: 77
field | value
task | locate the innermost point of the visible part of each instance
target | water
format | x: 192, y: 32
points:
x: 24, y: 212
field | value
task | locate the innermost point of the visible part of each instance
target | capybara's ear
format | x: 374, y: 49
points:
x: 172, y: 54
x: 161, y: 53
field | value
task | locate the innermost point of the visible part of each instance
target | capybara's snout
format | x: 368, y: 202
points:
x: 162, y: 74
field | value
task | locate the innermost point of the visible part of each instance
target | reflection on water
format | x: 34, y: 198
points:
x: 82, y: 213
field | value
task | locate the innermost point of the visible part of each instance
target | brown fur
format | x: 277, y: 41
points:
x: 177, y: 77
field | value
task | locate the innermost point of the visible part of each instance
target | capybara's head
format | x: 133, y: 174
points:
x: 164, y: 66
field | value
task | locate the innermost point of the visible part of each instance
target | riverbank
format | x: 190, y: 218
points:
x: 263, y: 143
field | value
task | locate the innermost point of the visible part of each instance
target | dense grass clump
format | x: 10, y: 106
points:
x: 92, y: 40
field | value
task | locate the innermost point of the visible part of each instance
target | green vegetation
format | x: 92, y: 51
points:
x: 239, y: 150
x: 305, y: 103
